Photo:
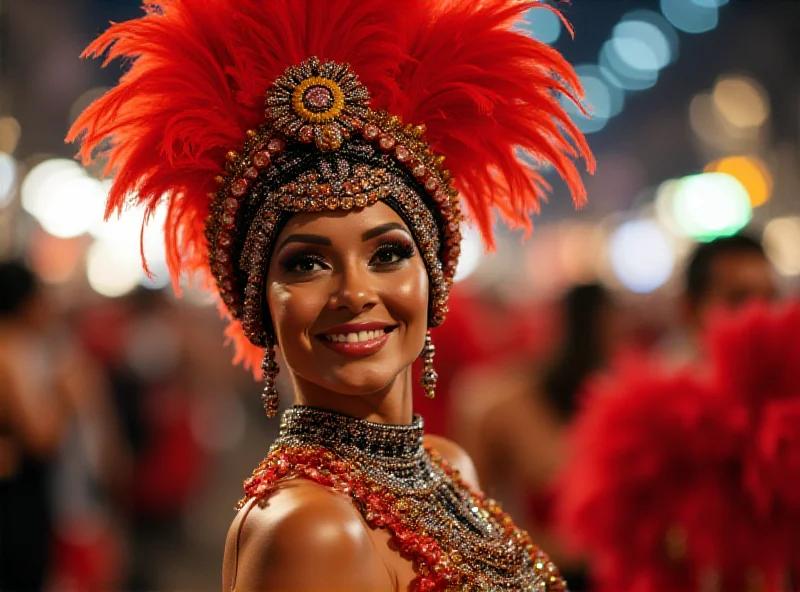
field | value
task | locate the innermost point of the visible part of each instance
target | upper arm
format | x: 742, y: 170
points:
x: 304, y: 538
x: 457, y: 458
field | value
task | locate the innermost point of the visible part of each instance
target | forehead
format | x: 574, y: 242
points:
x: 342, y: 224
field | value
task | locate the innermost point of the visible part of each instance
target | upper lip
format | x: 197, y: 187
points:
x: 346, y: 328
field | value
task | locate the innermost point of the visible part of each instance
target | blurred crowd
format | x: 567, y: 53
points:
x: 124, y: 431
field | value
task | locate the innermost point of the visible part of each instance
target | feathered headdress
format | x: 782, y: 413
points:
x: 240, y: 112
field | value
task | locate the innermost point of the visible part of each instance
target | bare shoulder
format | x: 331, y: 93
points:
x: 457, y: 457
x: 304, y: 537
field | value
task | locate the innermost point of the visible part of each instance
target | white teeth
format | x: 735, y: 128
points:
x: 355, y: 337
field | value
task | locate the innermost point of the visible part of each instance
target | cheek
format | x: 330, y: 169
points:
x: 406, y: 296
x: 293, y: 310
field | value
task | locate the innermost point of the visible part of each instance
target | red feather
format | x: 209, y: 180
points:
x: 717, y: 457
x: 199, y: 71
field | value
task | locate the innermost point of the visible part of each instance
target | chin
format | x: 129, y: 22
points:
x: 359, y: 382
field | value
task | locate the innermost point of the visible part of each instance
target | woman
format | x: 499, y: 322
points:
x: 518, y: 439
x: 333, y: 232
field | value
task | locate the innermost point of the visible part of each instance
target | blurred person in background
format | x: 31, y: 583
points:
x: 141, y: 344
x: 721, y: 275
x: 59, y: 449
x: 34, y: 411
x: 513, y: 419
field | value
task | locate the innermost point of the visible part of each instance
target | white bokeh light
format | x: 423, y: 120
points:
x: 641, y: 255
x: 472, y: 251
x: 113, y: 268
x: 8, y: 178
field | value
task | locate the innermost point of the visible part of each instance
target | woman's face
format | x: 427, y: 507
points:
x: 348, y: 295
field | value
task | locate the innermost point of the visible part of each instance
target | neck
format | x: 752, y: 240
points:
x: 390, y: 405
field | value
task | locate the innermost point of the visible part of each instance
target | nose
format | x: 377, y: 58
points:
x: 354, y: 290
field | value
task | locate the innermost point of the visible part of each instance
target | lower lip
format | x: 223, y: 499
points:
x: 357, y: 349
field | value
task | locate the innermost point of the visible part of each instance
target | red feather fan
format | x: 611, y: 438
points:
x: 199, y: 71
x: 675, y: 477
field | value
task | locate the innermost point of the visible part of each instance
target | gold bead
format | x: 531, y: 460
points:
x: 252, y: 134
x: 419, y: 130
x: 232, y: 155
x: 219, y: 179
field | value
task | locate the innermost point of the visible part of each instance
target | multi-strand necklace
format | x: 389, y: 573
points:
x: 456, y: 538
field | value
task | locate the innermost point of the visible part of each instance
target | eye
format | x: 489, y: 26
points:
x: 303, y: 264
x: 392, y: 253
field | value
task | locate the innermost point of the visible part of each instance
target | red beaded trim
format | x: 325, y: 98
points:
x: 436, y: 568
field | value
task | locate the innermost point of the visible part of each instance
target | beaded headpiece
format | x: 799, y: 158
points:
x: 240, y: 113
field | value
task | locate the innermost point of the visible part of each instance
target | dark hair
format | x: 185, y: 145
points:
x: 17, y: 286
x: 581, y: 352
x: 698, y: 270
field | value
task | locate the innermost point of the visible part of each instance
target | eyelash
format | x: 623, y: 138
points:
x: 399, y: 248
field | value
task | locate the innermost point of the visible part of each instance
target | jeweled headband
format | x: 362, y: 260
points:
x: 244, y: 112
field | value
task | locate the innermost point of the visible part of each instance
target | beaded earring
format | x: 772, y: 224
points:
x: 429, y: 375
x: 270, y: 397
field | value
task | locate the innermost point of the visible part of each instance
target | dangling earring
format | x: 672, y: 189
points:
x: 429, y: 375
x: 270, y: 397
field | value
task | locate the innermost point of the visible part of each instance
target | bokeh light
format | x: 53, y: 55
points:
x: 641, y: 255
x: 34, y: 192
x: 472, y: 251
x: 710, y: 205
x: 55, y: 260
x: 641, y: 45
x: 113, y: 268
x: 10, y: 133
x: 8, y: 178
x: 751, y: 172
x: 621, y: 73
x: 742, y: 101
x: 603, y: 100
x: 782, y: 244
x: 691, y: 16
x: 655, y: 19
x: 542, y: 24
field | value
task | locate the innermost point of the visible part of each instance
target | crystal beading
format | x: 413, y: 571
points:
x: 456, y: 538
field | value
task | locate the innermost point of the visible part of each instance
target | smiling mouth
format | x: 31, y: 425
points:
x: 357, y: 336
x: 360, y: 343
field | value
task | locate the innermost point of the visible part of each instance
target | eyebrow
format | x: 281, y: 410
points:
x: 316, y: 239
x: 382, y: 229
x: 311, y: 239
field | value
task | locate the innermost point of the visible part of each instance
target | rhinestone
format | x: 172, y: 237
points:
x: 402, y: 153
x: 386, y: 143
x: 332, y: 203
x: 306, y: 134
x: 251, y: 173
x: 431, y: 184
x: 261, y: 159
x: 371, y: 132
x: 419, y: 171
x: 239, y: 187
x: 318, y: 97
x: 276, y: 145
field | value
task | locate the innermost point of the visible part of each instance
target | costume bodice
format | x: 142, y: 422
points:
x: 456, y: 538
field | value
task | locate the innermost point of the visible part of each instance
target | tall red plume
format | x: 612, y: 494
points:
x: 199, y: 71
